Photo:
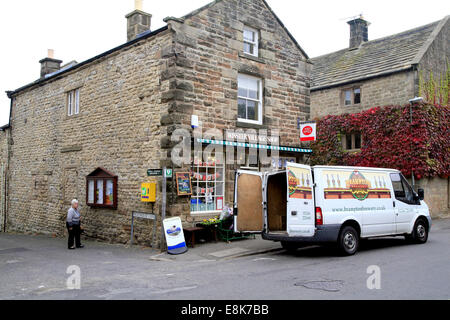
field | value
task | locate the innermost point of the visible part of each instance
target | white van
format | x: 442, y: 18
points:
x: 321, y: 204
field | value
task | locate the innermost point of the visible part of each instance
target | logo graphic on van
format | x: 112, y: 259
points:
x: 300, y: 184
x: 359, y: 185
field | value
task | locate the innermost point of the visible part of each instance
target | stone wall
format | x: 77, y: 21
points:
x: 437, y: 57
x: 395, y: 89
x: 118, y: 128
x: 209, y: 57
x: 437, y: 196
x: 435, y: 60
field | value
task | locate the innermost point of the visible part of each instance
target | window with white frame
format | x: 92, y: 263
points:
x: 73, y: 102
x: 250, y: 99
x: 251, y: 40
x: 208, y: 184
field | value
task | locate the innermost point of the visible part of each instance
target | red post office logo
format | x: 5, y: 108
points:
x: 308, y: 130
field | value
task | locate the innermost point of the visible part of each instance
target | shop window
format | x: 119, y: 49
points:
x: 101, y: 189
x: 249, y: 99
x: 352, y: 142
x: 73, y: 102
x: 208, y: 183
x: 251, y: 40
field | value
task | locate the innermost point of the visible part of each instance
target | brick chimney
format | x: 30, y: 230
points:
x: 49, y: 64
x: 138, y: 21
x: 359, y: 31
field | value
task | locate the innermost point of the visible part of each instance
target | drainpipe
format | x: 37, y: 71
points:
x: 411, y: 103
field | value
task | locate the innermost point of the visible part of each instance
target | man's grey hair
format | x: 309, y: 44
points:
x: 74, y: 201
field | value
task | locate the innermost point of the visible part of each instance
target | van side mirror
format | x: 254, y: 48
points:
x: 421, y: 194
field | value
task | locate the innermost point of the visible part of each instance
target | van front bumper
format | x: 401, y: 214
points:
x: 323, y: 234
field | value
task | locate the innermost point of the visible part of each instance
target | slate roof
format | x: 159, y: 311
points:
x: 374, y: 58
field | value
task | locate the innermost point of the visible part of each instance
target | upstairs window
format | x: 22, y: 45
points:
x: 249, y: 99
x: 73, y: 102
x: 251, y: 40
x: 351, y: 96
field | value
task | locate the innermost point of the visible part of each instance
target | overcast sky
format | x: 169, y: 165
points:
x: 80, y: 29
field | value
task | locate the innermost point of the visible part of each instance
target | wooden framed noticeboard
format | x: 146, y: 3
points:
x: 184, y: 184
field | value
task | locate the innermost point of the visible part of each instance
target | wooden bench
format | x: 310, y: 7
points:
x: 190, y: 234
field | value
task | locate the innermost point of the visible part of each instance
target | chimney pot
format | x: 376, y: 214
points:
x: 138, y: 5
x: 359, y: 31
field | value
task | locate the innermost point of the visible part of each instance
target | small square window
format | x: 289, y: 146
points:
x: 351, y: 96
x: 351, y: 142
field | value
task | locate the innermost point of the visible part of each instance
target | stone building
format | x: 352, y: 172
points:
x: 380, y: 72
x: 386, y: 71
x: 91, y: 130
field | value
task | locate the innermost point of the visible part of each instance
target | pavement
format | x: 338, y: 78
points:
x: 37, y: 267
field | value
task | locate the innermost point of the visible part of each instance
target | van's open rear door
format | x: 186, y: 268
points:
x: 300, y: 206
x: 248, y: 202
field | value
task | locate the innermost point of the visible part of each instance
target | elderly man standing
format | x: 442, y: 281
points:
x: 73, y: 225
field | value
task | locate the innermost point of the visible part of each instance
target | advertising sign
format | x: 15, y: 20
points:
x: 356, y: 185
x: 184, y: 184
x: 173, y: 230
x: 308, y: 132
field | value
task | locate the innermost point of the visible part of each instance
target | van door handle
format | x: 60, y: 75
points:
x: 294, y: 213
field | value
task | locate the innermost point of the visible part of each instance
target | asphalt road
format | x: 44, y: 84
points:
x: 35, y: 268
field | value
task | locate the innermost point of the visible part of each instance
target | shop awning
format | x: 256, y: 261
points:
x: 253, y: 146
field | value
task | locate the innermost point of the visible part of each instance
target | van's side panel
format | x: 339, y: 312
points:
x: 356, y: 194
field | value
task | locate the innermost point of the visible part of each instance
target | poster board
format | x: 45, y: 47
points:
x: 184, y: 184
x: 173, y: 230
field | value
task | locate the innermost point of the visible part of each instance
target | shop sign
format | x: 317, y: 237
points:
x: 173, y: 230
x: 252, y: 138
x: 308, y: 132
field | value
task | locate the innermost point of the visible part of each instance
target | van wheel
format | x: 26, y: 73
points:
x: 348, y: 241
x: 420, y: 232
x: 289, y: 246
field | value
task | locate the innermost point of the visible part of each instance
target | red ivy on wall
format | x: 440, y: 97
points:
x: 389, y: 140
